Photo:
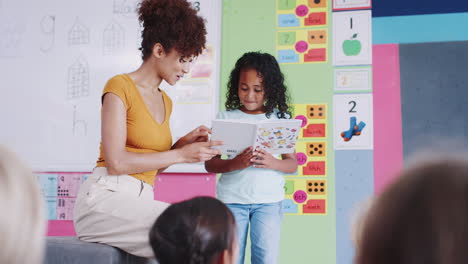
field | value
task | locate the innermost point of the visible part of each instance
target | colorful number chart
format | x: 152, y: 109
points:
x: 301, y: 13
x: 314, y: 118
x: 306, y: 190
x: 305, y: 196
x: 60, y: 191
x: 302, y: 46
x: 302, y: 35
x: 311, y: 148
x: 311, y: 158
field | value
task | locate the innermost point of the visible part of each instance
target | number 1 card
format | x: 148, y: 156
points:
x: 352, y: 38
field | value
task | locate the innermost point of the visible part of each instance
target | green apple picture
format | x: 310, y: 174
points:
x: 352, y: 47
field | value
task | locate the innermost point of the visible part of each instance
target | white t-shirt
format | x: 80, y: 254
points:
x: 250, y: 185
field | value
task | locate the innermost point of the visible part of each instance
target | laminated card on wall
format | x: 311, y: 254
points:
x: 275, y: 136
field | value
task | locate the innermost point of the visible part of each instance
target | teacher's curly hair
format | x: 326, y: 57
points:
x: 173, y: 24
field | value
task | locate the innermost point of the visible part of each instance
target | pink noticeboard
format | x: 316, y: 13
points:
x: 171, y: 188
x: 168, y: 188
x: 388, y: 143
x: 60, y: 228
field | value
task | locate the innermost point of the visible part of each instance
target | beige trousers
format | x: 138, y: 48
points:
x: 118, y: 211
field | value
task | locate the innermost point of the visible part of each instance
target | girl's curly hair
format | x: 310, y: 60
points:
x: 276, y: 95
x: 173, y: 24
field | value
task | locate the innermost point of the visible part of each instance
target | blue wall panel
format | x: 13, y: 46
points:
x: 407, y: 7
x: 354, y: 176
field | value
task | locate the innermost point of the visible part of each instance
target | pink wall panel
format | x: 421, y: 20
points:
x: 169, y: 188
x: 60, y: 228
x: 388, y: 143
x: 174, y: 187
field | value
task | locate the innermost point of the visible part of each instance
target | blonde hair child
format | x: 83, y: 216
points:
x: 22, y: 221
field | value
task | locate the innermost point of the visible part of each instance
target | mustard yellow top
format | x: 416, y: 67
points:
x: 144, y: 134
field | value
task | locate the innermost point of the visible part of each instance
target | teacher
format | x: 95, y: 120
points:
x: 116, y: 205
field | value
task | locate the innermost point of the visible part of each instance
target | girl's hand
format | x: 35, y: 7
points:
x: 243, y: 160
x: 199, y: 134
x: 263, y: 159
x: 199, y: 151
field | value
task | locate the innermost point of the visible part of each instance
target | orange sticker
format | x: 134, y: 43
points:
x: 317, y: 3
x: 317, y: 37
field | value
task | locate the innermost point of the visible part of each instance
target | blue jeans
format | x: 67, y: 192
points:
x: 265, y: 229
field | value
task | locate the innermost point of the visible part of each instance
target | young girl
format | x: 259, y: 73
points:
x: 251, y: 184
x: 201, y: 230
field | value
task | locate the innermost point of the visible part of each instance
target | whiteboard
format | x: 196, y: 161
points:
x: 55, y: 58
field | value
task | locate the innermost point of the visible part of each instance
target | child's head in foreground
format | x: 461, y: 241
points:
x: 22, y: 221
x: 422, y: 217
x: 201, y: 230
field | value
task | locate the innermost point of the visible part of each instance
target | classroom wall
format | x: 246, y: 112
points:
x: 68, y: 52
x: 409, y: 8
x: 250, y: 26
x: 419, y: 70
x: 60, y: 191
x: 430, y: 41
x: 312, y: 237
x: 56, y: 58
x: 401, y: 24
x: 411, y: 43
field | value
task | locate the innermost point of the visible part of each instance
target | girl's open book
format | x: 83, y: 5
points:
x: 276, y: 136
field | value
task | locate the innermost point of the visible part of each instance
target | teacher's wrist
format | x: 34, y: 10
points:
x: 178, y: 156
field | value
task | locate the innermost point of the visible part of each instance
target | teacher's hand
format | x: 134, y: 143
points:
x: 199, y: 134
x: 200, y: 151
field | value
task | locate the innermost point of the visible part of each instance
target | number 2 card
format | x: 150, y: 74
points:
x: 353, y: 121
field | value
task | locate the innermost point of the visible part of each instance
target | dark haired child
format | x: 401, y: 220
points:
x: 252, y: 183
x: 201, y: 230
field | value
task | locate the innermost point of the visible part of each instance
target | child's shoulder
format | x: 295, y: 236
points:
x: 277, y: 114
x: 229, y: 114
